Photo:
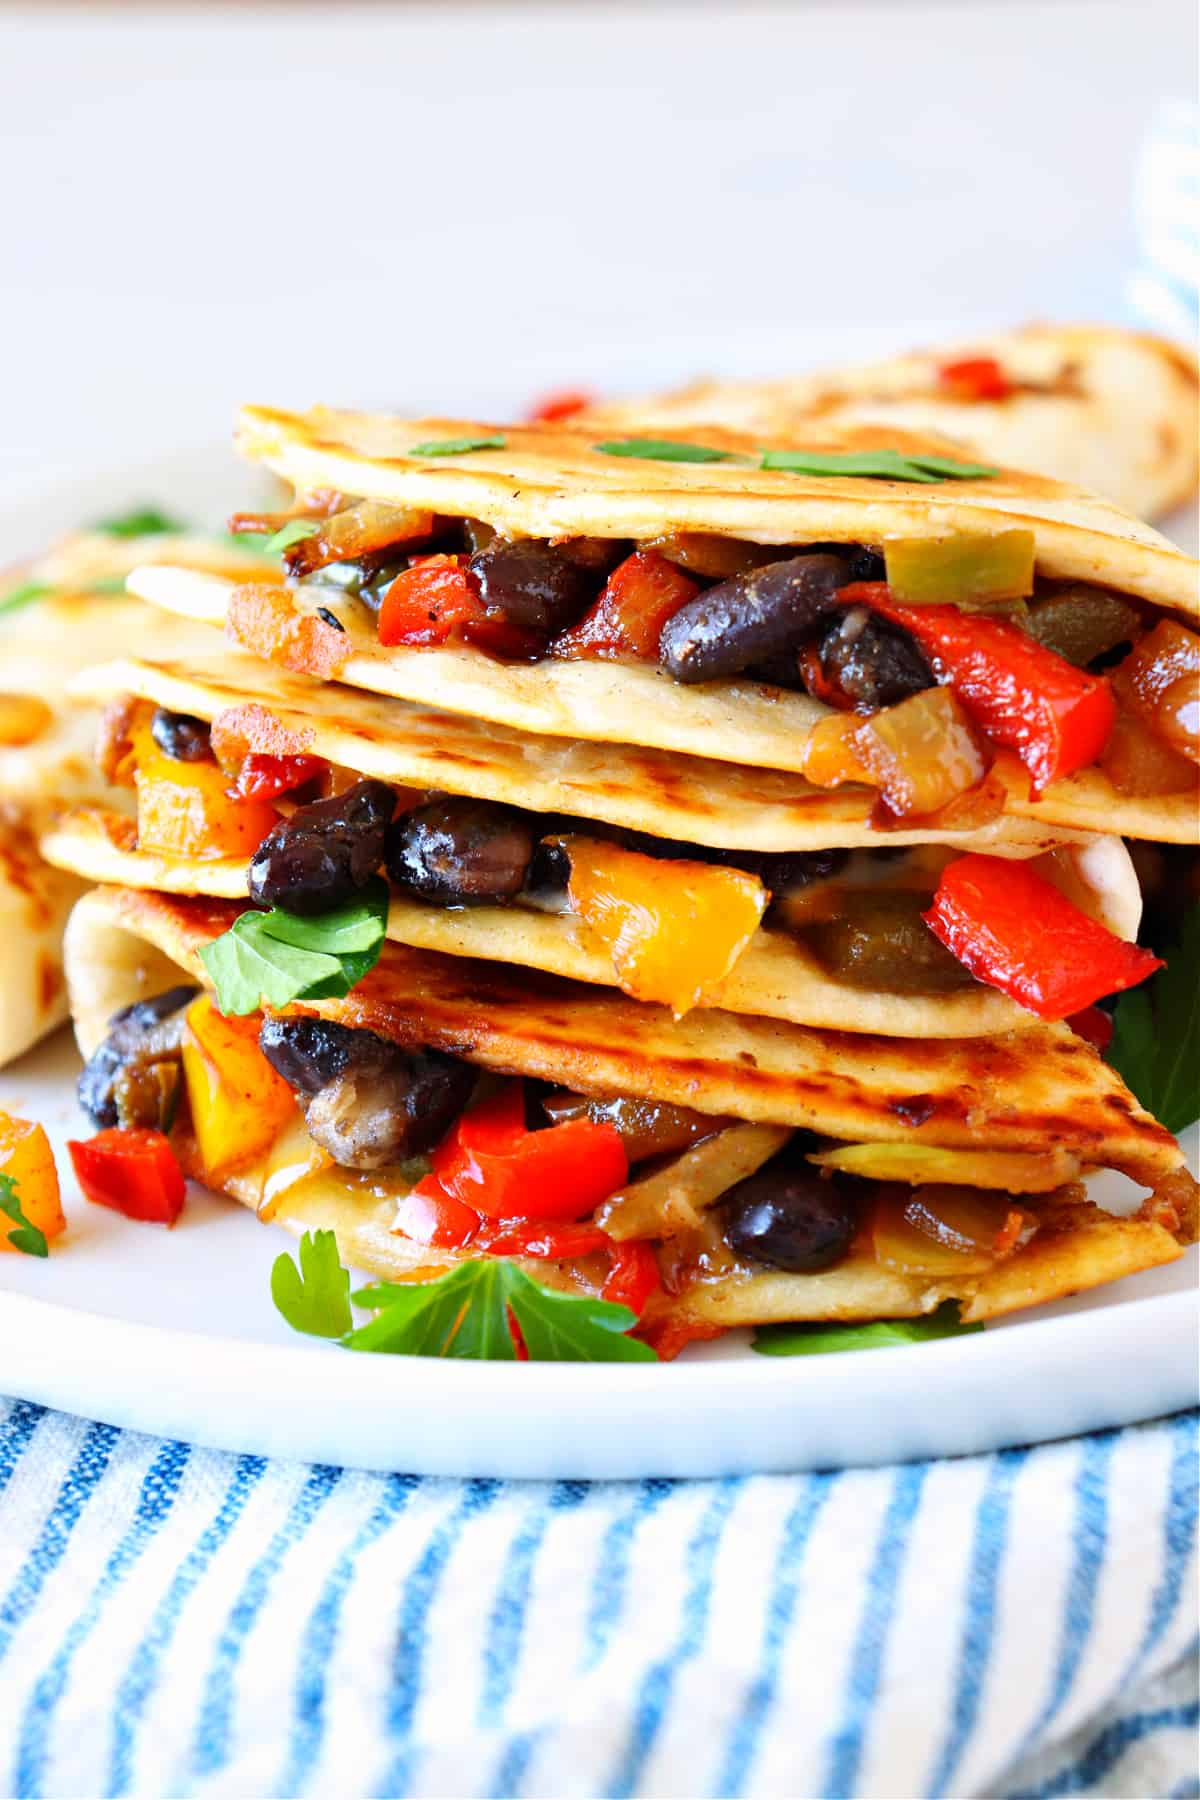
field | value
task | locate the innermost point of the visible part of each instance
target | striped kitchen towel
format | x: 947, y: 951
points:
x: 177, y: 1621
x: 1164, y: 290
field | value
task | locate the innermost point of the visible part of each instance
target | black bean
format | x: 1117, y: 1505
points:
x: 180, y: 736
x: 325, y: 852
x: 132, y: 1077
x: 531, y: 585
x: 330, y: 618
x: 751, y: 618
x: 862, y: 564
x: 457, y: 852
x: 873, y: 662
x: 791, y: 1217
x: 366, y: 1101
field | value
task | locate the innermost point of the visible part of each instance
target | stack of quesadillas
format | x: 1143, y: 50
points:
x: 688, y: 867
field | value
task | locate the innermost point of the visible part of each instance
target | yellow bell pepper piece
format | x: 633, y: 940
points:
x: 28, y: 1161
x: 188, y: 808
x: 673, y: 929
x: 239, y: 1105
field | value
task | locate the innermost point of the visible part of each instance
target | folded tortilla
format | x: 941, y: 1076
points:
x: 551, y: 481
x: 1043, y: 1092
x: 47, y: 738
x: 1104, y: 408
x: 717, y: 804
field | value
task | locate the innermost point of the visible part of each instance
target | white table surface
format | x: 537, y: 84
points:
x: 453, y: 207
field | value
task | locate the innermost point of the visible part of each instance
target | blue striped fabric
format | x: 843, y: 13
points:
x: 1165, y: 288
x: 175, y: 1621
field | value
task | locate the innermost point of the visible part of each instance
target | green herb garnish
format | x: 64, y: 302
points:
x: 141, y: 521
x: 24, y: 595
x: 27, y: 1238
x: 245, y: 540
x: 456, y: 446
x: 315, y: 1298
x: 1156, y: 1034
x: 875, y: 465
x: 288, y: 534
x: 879, y: 1334
x: 278, y: 956
x: 662, y: 450
x: 465, y: 1313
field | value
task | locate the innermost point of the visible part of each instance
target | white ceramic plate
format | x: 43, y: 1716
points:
x: 174, y: 1332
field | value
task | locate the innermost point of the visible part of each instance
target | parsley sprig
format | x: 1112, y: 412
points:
x: 27, y: 1237
x: 465, y: 1313
x: 280, y: 956
x: 1156, y: 1034
x: 878, y: 1334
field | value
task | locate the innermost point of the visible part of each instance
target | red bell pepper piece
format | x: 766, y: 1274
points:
x: 633, y: 1276
x: 1094, y: 1024
x: 263, y: 777
x: 134, y: 1172
x: 640, y: 595
x: 1018, y: 933
x: 490, y: 1162
x: 975, y: 378
x: 1025, y: 697
x: 429, y: 1215
x: 562, y: 404
x: 553, y: 1243
x: 430, y: 602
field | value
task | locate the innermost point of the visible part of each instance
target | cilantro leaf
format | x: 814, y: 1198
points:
x: 465, y: 1314
x: 879, y: 1334
x: 279, y: 956
x: 875, y: 465
x: 24, y: 595
x: 315, y: 1298
x: 456, y: 446
x: 662, y: 450
x: 27, y: 1238
x: 141, y: 521
x: 1156, y: 1034
x: 288, y: 534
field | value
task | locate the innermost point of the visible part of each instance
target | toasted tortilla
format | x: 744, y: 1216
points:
x: 1040, y: 1089
x: 550, y: 481
x: 726, y: 805
x: 1044, y: 1090
x: 1106, y: 409
x: 35, y: 901
x: 775, y: 976
x: 579, y: 729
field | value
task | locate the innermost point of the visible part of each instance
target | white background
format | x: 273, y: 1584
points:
x: 451, y: 208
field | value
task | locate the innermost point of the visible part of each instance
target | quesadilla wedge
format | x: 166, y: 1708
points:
x: 446, y: 1109
x: 1104, y: 408
x: 58, y: 613
x: 678, y: 881
x: 932, y: 636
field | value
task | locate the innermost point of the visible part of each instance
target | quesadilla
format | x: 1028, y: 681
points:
x: 1104, y: 408
x: 679, y: 881
x: 727, y: 1170
x: 57, y: 614
x: 939, y: 641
